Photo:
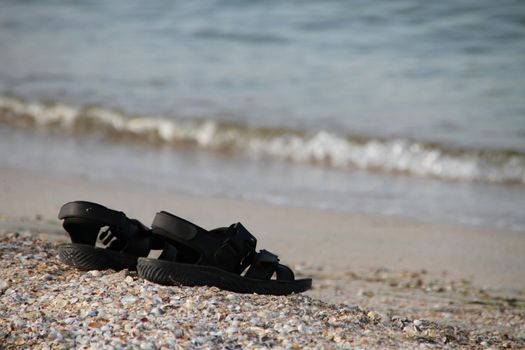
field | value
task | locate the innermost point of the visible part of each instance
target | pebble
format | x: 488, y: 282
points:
x: 48, y: 277
x: 231, y: 330
x: 128, y: 299
x: 92, y: 313
x: 374, y: 316
x: 188, y: 304
x: 3, y: 285
x: 157, y: 311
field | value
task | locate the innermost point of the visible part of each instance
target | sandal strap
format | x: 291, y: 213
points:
x: 284, y: 273
x: 231, y: 249
x: 174, y: 227
x: 94, y: 212
x: 132, y: 235
x: 265, y: 264
x: 237, y: 251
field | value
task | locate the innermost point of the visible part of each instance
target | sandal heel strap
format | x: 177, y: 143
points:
x: 83, y: 221
x: 94, y: 212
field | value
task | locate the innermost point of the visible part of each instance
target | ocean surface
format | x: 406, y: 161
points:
x: 405, y: 108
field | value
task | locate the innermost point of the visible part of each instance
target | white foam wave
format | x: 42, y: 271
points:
x: 393, y: 156
x: 398, y: 156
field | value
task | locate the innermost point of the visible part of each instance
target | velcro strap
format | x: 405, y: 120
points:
x: 284, y: 273
x: 237, y: 250
x: 267, y: 257
x: 175, y: 228
x: 241, y: 239
x: 263, y: 266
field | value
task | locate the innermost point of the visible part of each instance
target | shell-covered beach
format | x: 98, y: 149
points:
x: 47, y: 305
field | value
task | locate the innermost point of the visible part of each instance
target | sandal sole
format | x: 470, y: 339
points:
x: 87, y: 258
x: 173, y: 274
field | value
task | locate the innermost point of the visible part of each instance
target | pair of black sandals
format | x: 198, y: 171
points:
x: 224, y: 257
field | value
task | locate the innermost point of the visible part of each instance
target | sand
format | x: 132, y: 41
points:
x: 472, y: 279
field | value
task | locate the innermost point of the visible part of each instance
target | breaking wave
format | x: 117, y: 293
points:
x: 392, y: 156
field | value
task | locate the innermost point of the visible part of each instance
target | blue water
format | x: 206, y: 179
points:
x: 447, y: 77
x: 447, y: 71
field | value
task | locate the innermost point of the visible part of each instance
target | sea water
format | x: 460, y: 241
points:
x: 403, y: 108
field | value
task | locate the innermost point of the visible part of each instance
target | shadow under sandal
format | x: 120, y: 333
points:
x: 120, y: 240
x: 193, y: 256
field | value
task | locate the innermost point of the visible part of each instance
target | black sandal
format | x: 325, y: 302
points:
x: 122, y: 239
x: 193, y: 256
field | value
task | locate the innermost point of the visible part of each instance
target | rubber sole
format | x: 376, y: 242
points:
x: 86, y: 257
x: 171, y: 274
